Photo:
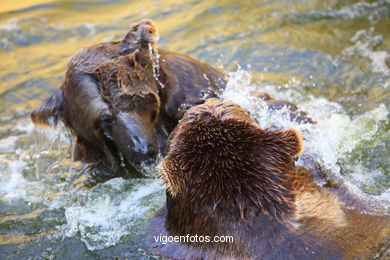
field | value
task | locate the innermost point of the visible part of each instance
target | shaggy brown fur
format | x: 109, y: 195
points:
x: 110, y: 122
x: 127, y: 83
x: 227, y: 176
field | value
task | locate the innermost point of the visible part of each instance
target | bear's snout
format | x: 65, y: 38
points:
x: 136, y: 139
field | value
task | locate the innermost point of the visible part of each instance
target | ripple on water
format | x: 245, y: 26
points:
x: 29, y: 31
x: 370, y: 11
x: 105, y: 215
x: 112, y: 214
x: 364, y: 45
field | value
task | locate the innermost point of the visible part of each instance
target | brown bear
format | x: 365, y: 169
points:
x: 128, y: 87
x: 226, y: 176
x: 114, y: 126
x: 139, y: 132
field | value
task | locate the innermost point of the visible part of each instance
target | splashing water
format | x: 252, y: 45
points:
x: 111, y: 211
x: 333, y: 141
x: 299, y: 52
x: 155, y: 64
x: 364, y: 45
x: 115, y: 211
x: 122, y: 160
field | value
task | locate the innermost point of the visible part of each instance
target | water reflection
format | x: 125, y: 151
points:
x: 330, y: 57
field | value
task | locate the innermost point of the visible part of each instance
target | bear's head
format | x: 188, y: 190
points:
x: 128, y: 87
x: 140, y: 36
x: 218, y: 156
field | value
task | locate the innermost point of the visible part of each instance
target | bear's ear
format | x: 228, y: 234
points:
x: 293, y: 141
x: 286, y: 141
x: 172, y: 178
x: 126, y: 46
x: 141, y: 58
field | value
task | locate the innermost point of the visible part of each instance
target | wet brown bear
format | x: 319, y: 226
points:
x: 226, y: 176
x: 133, y: 128
x: 135, y: 134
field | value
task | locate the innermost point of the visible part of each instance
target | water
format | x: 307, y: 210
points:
x: 329, y: 57
x: 156, y: 64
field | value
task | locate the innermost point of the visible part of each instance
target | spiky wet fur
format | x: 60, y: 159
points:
x: 226, y: 176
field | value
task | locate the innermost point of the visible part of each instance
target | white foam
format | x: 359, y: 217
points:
x: 25, y: 127
x: 7, y: 145
x: 364, y: 42
x: 11, y: 25
x: 13, y: 185
x: 11, y: 178
x: 370, y: 11
x: 238, y: 90
x: 108, y: 213
x: 331, y: 141
x: 384, y: 197
x: 102, y: 216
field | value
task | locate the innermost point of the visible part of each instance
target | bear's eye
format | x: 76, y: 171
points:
x: 150, y: 32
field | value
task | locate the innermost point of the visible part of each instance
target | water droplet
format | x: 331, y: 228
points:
x: 123, y: 165
x: 155, y: 64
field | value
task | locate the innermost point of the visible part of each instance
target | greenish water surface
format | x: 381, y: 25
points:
x: 329, y: 57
